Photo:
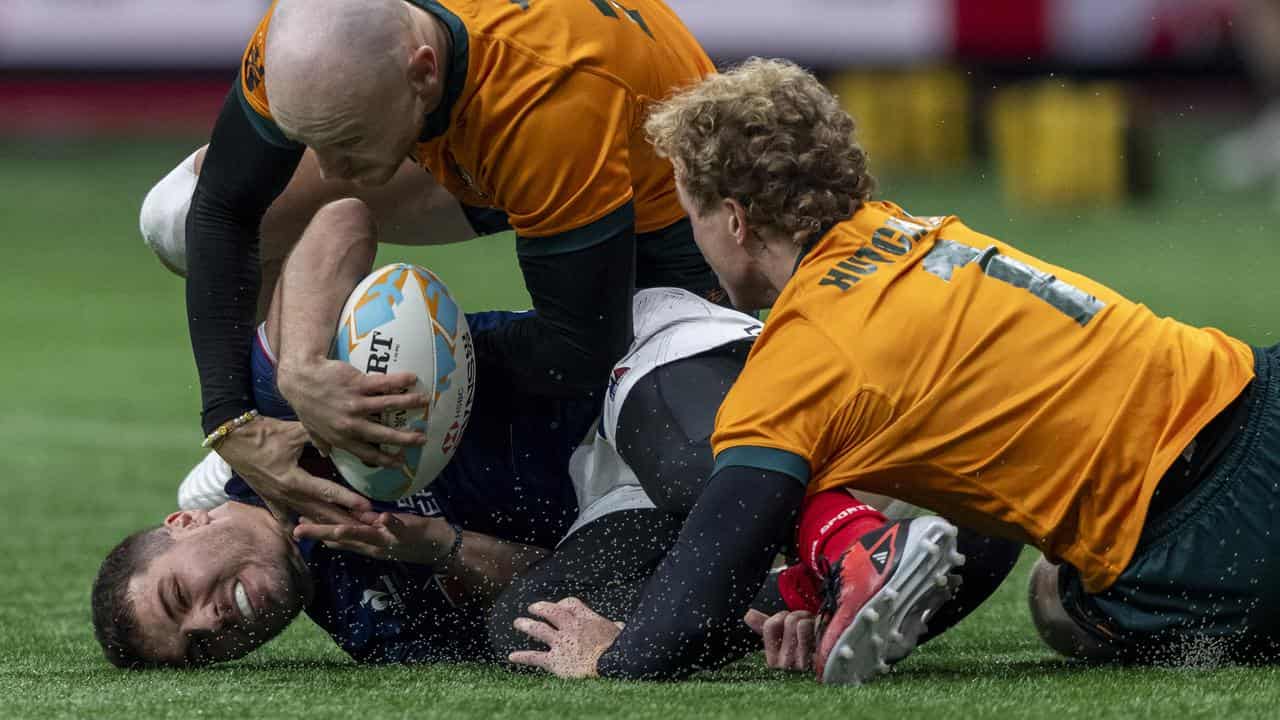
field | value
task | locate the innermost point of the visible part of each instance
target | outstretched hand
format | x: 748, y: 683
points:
x: 339, y: 405
x: 576, y: 636
x: 789, y: 638
x: 265, y: 453
x: 385, y: 536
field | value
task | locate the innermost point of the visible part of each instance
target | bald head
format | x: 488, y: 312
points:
x: 330, y: 63
x: 353, y: 80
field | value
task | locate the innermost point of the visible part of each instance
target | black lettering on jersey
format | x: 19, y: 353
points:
x: 842, y: 280
x: 606, y: 7
x: 524, y: 4
x: 883, y: 239
x: 857, y: 266
x: 867, y: 253
x: 895, y: 239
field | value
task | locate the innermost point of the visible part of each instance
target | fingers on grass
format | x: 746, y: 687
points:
x: 539, y: 631
x: 532, y: 658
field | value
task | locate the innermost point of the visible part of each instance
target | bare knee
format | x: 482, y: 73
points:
x: 1058, y: 629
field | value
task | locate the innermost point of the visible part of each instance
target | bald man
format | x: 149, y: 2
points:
x: 529, y: 113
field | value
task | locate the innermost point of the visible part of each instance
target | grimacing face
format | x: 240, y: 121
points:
x: 231, y: 581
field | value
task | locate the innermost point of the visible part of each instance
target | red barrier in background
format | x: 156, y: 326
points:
x: 96, y: 106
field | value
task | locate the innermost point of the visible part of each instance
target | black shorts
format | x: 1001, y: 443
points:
x: 1204, y: 581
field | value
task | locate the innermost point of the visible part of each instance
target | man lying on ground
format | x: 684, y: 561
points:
x: 406, y: 583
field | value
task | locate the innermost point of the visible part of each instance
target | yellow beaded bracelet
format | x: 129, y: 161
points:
x: 227, y: 428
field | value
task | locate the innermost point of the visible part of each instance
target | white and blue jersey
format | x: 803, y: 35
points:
x: 509, y: 478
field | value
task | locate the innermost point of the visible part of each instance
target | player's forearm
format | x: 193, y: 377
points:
x: 484, y: 566
x: 240, y: 176
x: 690, y: 613
x: 221, y: 308
x: 582, y: 320
x: 335, y: 254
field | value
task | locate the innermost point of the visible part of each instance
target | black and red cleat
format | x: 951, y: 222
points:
x: 879, y: 595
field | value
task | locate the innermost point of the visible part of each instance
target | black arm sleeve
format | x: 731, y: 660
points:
x: 704, y: 586
x: 582, y: 316
x: 242, y: 175
x: 665, y: 424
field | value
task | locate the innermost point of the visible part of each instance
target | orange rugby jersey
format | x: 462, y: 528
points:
x: 543, y: 109
x: 916, y: 358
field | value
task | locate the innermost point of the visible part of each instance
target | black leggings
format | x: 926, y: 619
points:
x: 605, y: 564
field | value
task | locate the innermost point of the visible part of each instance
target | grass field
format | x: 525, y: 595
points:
x: 99, y: 421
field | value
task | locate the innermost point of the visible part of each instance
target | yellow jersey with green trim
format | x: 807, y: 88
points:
x: 917, y: 358
x: 544, y: 107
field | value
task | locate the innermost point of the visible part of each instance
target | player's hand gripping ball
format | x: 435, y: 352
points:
x: 402, y: 319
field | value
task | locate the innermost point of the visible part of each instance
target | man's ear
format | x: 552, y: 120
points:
x: 424, y: 71
x: 736, y: 216
x: 185, y: 520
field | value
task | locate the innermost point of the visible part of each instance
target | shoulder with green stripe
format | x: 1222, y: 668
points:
x: 764, y: 458
x: 614, y: 224
x: 264, y: 125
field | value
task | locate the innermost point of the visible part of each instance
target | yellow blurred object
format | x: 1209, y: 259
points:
x: 1061, y: 144
x: 910, y: 121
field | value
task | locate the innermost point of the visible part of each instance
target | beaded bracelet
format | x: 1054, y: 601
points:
x: 227, y: 428
x: 455, y: 549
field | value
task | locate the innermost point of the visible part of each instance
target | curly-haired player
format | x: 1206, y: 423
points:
x: 915, y: 357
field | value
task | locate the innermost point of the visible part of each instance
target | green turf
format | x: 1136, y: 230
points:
x: 99, y: 421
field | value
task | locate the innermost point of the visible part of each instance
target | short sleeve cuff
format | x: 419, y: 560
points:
x: 267, y: 129
x: 787, y: 463
x: 618, y: 222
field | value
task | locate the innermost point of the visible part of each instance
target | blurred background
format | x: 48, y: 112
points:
x: 1057, y: 96
x: 1135, y: 141
x: 1060, y: 99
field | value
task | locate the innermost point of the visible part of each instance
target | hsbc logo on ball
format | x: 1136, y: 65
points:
x: 462, y: 411
x: 451, y: 438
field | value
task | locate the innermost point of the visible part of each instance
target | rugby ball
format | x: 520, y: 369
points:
x: 401, y: 318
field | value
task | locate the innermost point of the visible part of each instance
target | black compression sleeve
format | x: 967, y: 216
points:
x: 241, y: 177
x: 581, y: 323
x: 703, y: 587
x: 664, y: 427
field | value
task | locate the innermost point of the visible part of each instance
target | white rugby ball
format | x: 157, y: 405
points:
x: 402, y: 319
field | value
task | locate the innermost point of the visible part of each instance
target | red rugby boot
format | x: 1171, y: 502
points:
x: 879, y: 595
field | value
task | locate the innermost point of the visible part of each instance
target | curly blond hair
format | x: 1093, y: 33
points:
x: 770, y: 136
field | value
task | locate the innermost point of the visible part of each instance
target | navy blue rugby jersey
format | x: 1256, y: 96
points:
x: 509, y: 478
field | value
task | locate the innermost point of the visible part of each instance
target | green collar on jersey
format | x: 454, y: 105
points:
x: 805, y: 248
x: 437, y: 121
x: 817, y: 237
